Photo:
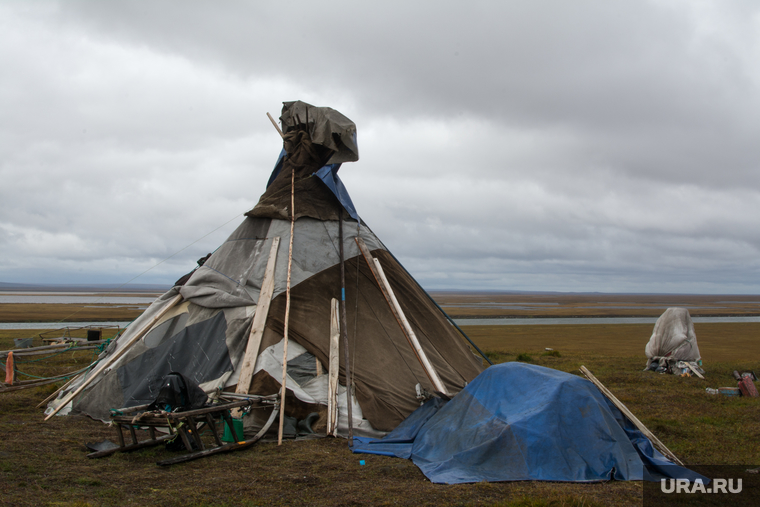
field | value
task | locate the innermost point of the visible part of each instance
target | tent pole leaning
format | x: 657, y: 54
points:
x: 257, y: 326
x: 275, y: 125
x: 344, y: 332
x: 110, y: 360
x: 406, y: 328
x: 287, y: 304
x: 434, y: 378
x: 448, y: 317
x: 655, y: 441
x: 64, y: 386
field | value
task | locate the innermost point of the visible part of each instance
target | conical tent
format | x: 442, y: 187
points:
x: 202, y: 328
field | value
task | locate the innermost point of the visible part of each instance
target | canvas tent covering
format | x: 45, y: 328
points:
x: 204, y: 337
x: 673, y: 339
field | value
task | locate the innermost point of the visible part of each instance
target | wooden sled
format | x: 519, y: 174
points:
x: 185, y: 426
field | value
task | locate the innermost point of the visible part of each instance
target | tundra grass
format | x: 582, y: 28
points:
x: 44, y: 463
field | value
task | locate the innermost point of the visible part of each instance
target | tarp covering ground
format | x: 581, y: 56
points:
x: 519, y: 422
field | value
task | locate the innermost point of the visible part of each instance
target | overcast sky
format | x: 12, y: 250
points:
x: 524, y: 145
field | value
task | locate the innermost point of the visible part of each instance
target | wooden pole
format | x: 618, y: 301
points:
x: 116, y: 355
x: 395, y: 307
x: 275, y: 125
x: 333, y: 368
x: 287, y: 304
x: 344, y: 333
x: 257, y: 326
x: 412, y: 337
x: 64, y: 386
x: 619, y: 404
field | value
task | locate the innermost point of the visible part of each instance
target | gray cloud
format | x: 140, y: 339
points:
x: 528, y: 145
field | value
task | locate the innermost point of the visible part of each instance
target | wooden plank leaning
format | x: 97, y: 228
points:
x: 619, y: 404
x: 105, y: 363
x: 257, y: 326
x: 333, y: 369
x: 390, y: 297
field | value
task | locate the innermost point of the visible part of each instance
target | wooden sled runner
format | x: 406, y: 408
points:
x: 185, y: 426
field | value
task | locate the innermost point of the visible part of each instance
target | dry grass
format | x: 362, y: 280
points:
x: 67, y: 314
x: 493, y: 305
x: 44, y: 463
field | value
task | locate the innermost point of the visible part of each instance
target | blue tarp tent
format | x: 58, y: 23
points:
x: 519, y: 422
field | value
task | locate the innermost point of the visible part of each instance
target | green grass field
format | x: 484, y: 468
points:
x: 44, y: 463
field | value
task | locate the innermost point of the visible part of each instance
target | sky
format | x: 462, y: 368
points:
x: 524, y: 145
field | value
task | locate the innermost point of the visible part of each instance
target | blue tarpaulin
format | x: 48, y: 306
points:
x: 519, y: 422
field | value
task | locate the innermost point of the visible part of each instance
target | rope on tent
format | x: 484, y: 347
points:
x: 344, y: 332
x: 356, y: 312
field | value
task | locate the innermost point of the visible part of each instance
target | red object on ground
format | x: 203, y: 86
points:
x: 747, y: 387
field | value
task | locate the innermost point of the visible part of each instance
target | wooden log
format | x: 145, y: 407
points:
x: 257, y: 326
x: 333, y: 371
x: 406, y: 328
x: 29, y: 386
x: 619, y: 404
x: 106, y: 362
x: 4, y: 353
x: 44, y: 352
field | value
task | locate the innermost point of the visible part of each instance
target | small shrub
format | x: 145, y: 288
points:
x: 525, y: 358
x: 552, y: 353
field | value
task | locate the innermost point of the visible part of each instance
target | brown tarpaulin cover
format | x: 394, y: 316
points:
x: 384, y: 365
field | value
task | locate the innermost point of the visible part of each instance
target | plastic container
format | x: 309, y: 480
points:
x: 237, y: 424
x: 730, y: 391
x: 710, y: 390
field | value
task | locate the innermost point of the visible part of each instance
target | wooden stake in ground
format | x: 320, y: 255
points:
x: 619, y: 404
x: 333, y: 369
x: 257, y: 326
x: 116, y: 355
x: 287, y: 304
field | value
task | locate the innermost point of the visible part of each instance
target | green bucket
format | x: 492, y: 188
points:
x: 238, y: 425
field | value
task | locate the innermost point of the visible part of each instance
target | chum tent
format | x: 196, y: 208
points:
x: 204, y: 326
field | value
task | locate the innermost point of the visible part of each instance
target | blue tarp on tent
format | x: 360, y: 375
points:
x: 519, y: 422
x: 329, y: 176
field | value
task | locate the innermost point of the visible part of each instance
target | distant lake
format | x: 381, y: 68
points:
x: 58, y: 325
x: 72, y: 297
x: 592, y: 320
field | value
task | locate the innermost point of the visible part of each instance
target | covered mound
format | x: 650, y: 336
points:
x: 673, y: 340
x: 519, y: 422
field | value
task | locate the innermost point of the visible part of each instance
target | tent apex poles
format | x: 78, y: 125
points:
x: 275, y: 125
